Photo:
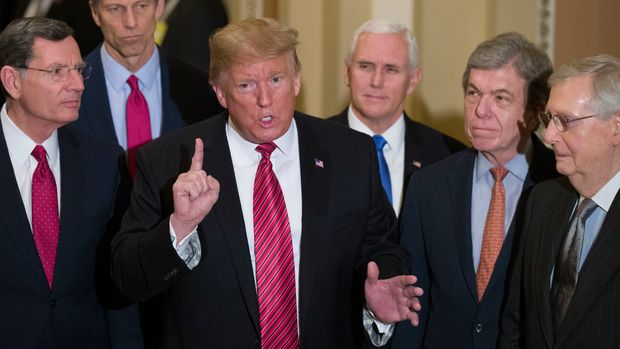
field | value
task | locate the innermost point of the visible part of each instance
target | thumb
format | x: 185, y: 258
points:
x: 372, y: 272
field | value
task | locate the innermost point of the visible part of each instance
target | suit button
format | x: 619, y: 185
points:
x: 53, y: 303
x: 478, y: 327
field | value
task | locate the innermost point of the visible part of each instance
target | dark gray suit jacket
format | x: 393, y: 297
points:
x: 593, y: 316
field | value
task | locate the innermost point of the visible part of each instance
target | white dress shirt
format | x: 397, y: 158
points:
x: 393, y: 151
x: 20, y: 147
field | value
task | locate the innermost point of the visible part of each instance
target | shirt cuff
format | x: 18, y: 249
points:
x: 188, y: 249
x: 378, y: 332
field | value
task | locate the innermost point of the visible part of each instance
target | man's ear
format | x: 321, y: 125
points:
x: 11, y: 80
x: 221, y: 96
x: 616, y: 129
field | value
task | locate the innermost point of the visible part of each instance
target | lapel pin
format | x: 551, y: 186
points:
x: 417, y: 164
x: 318, y: 163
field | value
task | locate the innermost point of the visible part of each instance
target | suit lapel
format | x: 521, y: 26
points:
x: 14, y: 216
x: 552, y: 231
x: 228, y: 213
x: 602, y: 262
x: 459, y: 182
x: 72, y: 169
x: 315, y: 190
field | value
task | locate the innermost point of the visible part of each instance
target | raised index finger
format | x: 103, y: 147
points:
x: 198, y: 155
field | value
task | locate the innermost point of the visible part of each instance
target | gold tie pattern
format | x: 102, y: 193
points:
x: 493, y: 237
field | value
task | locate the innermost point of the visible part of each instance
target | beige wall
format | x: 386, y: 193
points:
x: 447, y: 32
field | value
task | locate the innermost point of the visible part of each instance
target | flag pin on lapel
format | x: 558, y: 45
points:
x: 318, y: 163
x: 417, y: 164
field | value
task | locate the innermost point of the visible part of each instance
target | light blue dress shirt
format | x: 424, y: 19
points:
x: 482, y: 187
x: 149, y: 77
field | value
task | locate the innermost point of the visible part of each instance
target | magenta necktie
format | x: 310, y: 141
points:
x: 275, y: 268
x: 45, y: 225
x: 138, y: 123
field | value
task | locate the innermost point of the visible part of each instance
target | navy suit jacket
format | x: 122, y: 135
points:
x: 593, y: 316
x: 346, y: 221
x: 187, y: 97
x: 436, y: 229
x: 423, y: 145
x: 81, y: 310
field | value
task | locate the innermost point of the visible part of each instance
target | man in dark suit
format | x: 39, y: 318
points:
x: 381, y: 70
x: 61, y: 196
x: 458, y: 222
x: 565, y: 292
x: 176, y: 93
x: 198, y: 241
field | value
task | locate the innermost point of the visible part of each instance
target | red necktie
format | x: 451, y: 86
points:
x: 275, y: 268
x: 493, y: 237
x: 138, y: 123
x: 45, y: 225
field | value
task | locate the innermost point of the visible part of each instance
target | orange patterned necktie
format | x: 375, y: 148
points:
x: 493, y: 237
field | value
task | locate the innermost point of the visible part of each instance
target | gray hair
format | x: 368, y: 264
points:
x: 17, y: 39
x: 530, y: 62
x: 605, y: 73
x: 386, y: 26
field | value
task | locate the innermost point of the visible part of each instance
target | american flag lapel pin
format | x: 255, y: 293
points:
x: 417, y: 164
x: 318, y: 163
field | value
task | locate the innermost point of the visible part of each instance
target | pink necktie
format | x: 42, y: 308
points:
x: 45, y: 225
x: 275, y: 268
x: 138, y: 123
x: 493, y: 237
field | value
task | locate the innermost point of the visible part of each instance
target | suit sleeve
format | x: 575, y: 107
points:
x: 144, y: 262
x: 412, y: 240
x: 510, y: 328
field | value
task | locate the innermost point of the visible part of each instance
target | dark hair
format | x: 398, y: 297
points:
x: 531, y: 63
x: 17, y: 39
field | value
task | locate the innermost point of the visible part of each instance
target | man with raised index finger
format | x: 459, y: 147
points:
x: 275, y: 236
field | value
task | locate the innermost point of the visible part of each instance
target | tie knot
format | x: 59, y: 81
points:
x: 39, y: 153
x: 266, y: 149
x: 499, y: 173
x: 585, y: 209
x: 380, y: 142
x: 133, y: 83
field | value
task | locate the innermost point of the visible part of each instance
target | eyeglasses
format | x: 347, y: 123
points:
x: 61, y: 73
x: 561, y: 122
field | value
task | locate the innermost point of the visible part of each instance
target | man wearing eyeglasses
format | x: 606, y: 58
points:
x: 458, y: 222
x: 565, y: 292
x: 61, y: 199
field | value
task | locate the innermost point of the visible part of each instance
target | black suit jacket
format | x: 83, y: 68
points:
x: 81, y: 310
x: 436, y: 229
x: 347, y: 220
x: 593, y: 316
x: 187, y: 97
x: 423, y: 145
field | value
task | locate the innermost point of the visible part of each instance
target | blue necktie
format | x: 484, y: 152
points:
x: 384, y: 171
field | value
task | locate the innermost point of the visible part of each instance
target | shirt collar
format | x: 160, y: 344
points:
x: 518, y: 166
x: 117, y: 74
x: 605, y: 196
x: 394, y: 136
x: 20, y: 146
x: 246, y: 151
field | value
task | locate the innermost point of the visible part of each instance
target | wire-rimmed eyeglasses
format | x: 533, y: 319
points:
x: 61, y: 73
x: 561, y: 122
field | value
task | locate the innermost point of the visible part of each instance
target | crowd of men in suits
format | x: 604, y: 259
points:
x: 144, y: 209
